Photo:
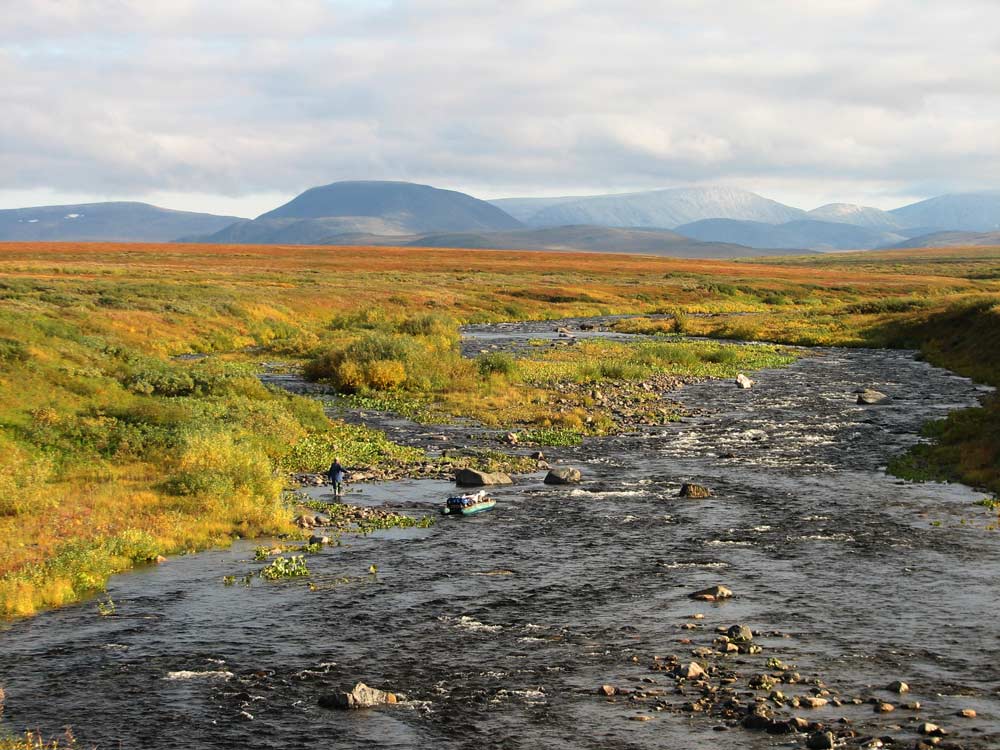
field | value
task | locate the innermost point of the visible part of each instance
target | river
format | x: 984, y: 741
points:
x: 500, y: 628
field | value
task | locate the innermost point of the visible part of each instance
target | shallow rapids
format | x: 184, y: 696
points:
x: 499, y: 628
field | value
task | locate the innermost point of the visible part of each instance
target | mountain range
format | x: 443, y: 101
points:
x: 126, y: 221
x: 686, y: 222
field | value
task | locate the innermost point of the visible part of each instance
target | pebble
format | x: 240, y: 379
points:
x: 967, y: 713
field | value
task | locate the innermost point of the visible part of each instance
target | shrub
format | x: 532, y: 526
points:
x: 499, y: 363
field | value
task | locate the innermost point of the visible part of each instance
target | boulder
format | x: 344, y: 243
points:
x: 510, y: 438
x: 563, y: 475
x: 565, y: 332
x: 740, y: 633
x: 965, y: 713
x: 607, y: 690
x: 689, y: 489
x: 712, y: 594
x: 744, y: 382
x: 820, y: 741
x: 690, y: 671
x: 305, y: 521
x: 473, y: 478
x: 868, y: 397
x: 319, y: 539
x: 898, y: 687
x: 931, y: 730
x: 360, y: 696
x: 538, y: 456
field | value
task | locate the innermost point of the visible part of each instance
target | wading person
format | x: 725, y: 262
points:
x: 336, y: 474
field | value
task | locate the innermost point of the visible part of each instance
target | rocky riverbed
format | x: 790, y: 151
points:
x: 564, y: 617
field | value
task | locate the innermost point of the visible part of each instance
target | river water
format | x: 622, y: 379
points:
x: 499, y: 628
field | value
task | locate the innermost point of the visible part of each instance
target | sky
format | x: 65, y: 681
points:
x: 235, y: 107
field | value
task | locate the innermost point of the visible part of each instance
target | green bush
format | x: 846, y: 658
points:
x: 499, y: 363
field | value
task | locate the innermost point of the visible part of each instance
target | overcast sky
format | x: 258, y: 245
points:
x: 234, y: 107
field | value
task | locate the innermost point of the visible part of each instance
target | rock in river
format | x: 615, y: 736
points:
x: 712, y: 594
x: 563, y: 475
x: 743, y: 381
x: 473, y: 478
x: 689, y: 489
x: 898, y: 687
x: 690, y: 671
x: 868, y: 397
x: 360, y: 696
x: 740, y: 634
x: 820, y: 741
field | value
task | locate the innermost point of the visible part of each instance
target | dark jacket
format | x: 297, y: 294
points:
x: 336, y: 472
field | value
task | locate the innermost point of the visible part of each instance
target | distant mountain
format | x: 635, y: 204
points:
x: 970, y: 212
x: 523, y: 209
x: 117, y: 221
x: 397, y: 207
x: 860, y: 216
x: 659, y: 208
x: 953, y: 239
x: 813, y: 235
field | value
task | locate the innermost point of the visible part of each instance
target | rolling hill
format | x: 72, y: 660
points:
x: 814, y: 235
x: 121, y: 221
x: 661, y: 242
x: 952, y: 239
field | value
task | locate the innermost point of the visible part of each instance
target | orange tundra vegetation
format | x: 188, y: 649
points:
x: 113, y: 451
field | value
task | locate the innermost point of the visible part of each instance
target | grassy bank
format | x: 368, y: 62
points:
x: 115, y: 451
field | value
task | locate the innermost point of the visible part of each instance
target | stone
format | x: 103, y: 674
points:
x: 811, y: 701
x: 510, y: 438
x: 564, y: 332
x: 757, y: 722
x: 688, y: 489
x: 869, y: 397
x: 898, y: 687
x: 931, y: 730
x: 318, y: 539
x: 744, y: 382
x: 965, y: 713
x: 305, y: 521
x: 820, y: 741
x: 360, y: 696
x: 740, y: 633
x: 563, y: 475
x: 473, y: 478
x: 160, y: 559
x: 883, y: 708
x: 761, y: 682
x: 690, y: 671
x: 538, y: 456
x: 712, y: 594
x: 642, y: 717
x: 607, y: 690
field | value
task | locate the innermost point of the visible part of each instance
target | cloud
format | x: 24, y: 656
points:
x: 136, y: 97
